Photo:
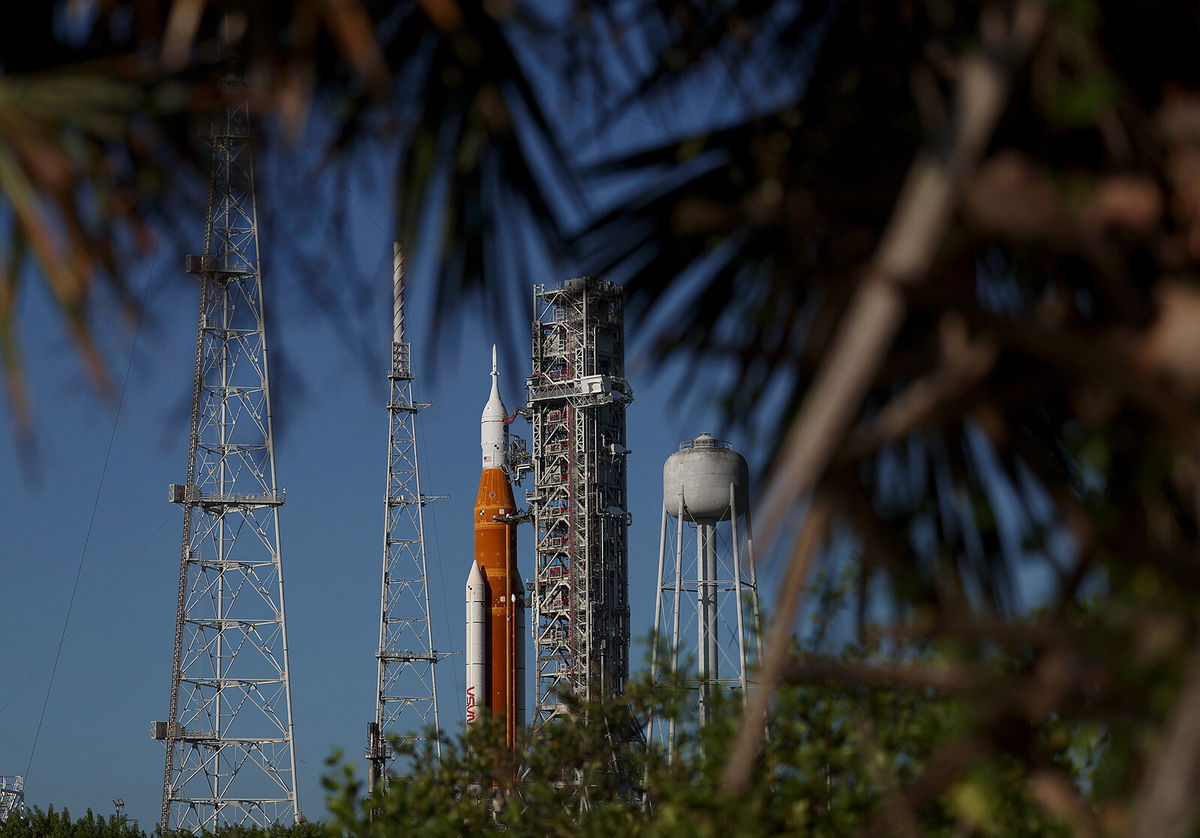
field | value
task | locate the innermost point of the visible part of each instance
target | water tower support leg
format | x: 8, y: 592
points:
x: 675, y: 617
x: 737, y: 588
x: 656, y: 633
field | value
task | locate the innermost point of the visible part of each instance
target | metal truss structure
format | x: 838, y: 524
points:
x: 230, y: 751
x: 577, y: 399
x: 12, y: 795
x: 406, y: 695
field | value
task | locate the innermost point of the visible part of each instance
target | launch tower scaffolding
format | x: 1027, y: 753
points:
x: 406, y: 694
x: 230, y: 752
x: 577, y: 400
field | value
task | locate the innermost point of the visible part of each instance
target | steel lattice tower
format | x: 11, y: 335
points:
x: 230, y: 749
x: 12, y: 795
x: 406, y: 694
x: 577, y: 400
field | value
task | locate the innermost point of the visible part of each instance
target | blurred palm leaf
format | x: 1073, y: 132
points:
x: 774, y: 219
x: 69, y: 151
x: 776, y: 213
x: 99, y: 107
x: 482, y: 165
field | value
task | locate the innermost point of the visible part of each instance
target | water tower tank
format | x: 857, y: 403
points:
x: 704, y: 469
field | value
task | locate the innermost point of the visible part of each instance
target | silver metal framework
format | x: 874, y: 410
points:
x: 713, y: 599
x: 406, y: 689
x: 231, y: 755
x: 12, y: 795
x: 577, y: 399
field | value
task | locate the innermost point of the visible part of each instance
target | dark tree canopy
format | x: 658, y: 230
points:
x: 948, y: 250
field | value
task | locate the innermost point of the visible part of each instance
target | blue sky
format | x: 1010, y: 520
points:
x: 113, y: 675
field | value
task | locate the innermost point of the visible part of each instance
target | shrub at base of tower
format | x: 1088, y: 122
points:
x: 836, y: 758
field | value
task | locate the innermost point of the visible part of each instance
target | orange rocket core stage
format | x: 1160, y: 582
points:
x: 495, y: 597
x: 496, y: 555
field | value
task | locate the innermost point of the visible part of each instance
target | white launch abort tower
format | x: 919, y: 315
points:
x: 706, y: 607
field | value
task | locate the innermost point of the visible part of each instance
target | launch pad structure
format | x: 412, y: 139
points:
x: 406, y: 688
x: 577, y: 395
x: 12, y: 795
x: 230, y: 754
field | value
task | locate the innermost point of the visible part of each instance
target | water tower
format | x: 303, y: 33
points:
x: 706, y: 615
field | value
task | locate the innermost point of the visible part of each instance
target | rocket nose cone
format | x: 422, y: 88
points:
x: 493, y: 424
x: 494, y: 408
x: 475, y: 577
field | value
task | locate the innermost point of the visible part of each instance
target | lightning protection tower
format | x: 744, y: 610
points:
x: 714, y: 596
x: 406, y: 689
x: 230, y: 750
x: 577, y: 400
x: 12, y: 795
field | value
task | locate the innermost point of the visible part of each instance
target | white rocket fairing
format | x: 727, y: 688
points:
x: 493, y: 424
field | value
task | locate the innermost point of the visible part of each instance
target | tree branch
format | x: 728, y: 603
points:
x: 736, y: 775
x: 910, y: 242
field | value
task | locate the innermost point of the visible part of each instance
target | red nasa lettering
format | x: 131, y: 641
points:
x: 470, y: 704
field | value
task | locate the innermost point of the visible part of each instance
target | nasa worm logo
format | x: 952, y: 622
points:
x: 470, y: 704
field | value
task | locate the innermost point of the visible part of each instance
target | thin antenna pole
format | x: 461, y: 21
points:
x: 397, y: 293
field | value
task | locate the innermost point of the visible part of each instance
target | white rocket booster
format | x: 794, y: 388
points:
x: 477, y: 598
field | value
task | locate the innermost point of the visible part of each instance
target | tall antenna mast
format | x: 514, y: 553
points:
x: 231, y: 757
x: 406, y: 695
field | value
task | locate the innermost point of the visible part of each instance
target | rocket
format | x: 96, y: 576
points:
x: 495, y: 595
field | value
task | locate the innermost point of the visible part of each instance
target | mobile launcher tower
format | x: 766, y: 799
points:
x: 577, y: 399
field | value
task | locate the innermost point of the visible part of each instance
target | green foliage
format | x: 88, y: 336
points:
x: 832, y: 757
x: 277, y: 830
x: 35, y: 823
